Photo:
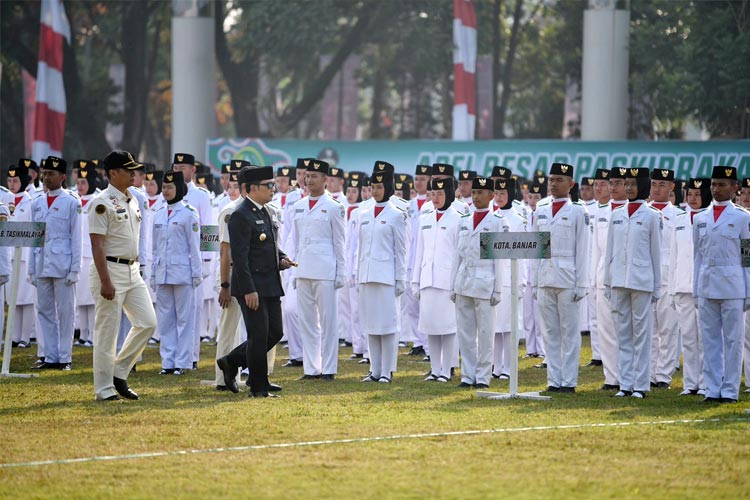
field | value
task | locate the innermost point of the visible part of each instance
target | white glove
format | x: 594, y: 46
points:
x: 400, y: 288
x: 746, y: 306
x: 152, y: 282
x: 4, y: 279
x: 453, y: 297
x: 495, y: 299
x: 415, y: 290
x: 31, y: 278
x: 294, y: 283
x: 608, y: 293
x: 657, y: 295
x: 579, y: 294
x: 339, y: 283
x: 197, y: 282
x: 71, y: 278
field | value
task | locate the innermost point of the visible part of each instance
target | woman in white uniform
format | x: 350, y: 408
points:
x: 381, y: 274
x: 176, y: 272
x: 86, y: 184
x: 152, y: 184
x: 20, y: 211
x: 433, y: 278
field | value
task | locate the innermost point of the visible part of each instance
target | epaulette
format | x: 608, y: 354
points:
x: 203, y: 189
x: 428, y: 211
x: 602, y: 205
x: 4, y: 189
x: 740, y: 207
x: 700, y: 210
x: 337, y: 201
x: 464, y: 215
x: 621, y: 206
x: 74, y: 194
x: 401, y: 199
x: 654, y: 209
x: 190, y: 207
x: 578, y: 203
x: 394, y: 206
x: 544, y: 202
x: 680, y: 210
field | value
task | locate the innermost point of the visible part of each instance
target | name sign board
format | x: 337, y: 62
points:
x: 22, y: 234
x: 210, y: 239
x: 519, y: 245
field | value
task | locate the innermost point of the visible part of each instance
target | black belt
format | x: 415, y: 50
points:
x: 121, y: 261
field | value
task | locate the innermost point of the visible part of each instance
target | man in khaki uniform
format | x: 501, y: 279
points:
x: 116, y: 283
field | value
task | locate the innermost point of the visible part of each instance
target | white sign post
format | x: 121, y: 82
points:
x: 18, y: 235
x: 514, y: 246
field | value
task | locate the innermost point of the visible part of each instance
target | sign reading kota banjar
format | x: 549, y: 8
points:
x: 518, y: 245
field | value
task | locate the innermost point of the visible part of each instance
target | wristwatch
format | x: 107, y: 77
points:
x: 225, y: 285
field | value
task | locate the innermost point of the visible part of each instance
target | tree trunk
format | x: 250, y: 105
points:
x: 133, y: 53
x: 508, y: 70
x: 496, y: 49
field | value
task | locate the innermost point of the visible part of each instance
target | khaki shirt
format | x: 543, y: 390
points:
x: 116, y: 215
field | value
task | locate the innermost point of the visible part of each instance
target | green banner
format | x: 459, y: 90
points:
x: 210, y: 239
x: 22, y: 234
x: 686, y: 158
x: 520, y: 245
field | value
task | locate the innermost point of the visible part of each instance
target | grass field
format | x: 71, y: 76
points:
x: 530, y: 454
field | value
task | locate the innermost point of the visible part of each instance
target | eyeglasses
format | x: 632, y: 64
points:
x: 269, y: 185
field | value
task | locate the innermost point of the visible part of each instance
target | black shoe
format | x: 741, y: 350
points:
x: 45, y: 366
x: 585, y: 333
x: 14, y: 344
x: 594, y: 362
x: 496, y: 377
x: 121, y: 386
x: 230, y: 374
x: 568, y: 390
x: 653, y: 385
x: 166, y: 371
x: 541, y: 366
x: 344, y: 343
x: 709, y: 399
x: 453, y: 372
x: 274, y: 387
x: 263, y: 394
x: 292, y: 362
x: 114, y: 397
x: 417, y: 351
x: 356, y: 356
x: 426, y: 359
x: 221, y: 388
x: 364, y: 361
x: 463, y: 385
x: 662, y: 385
x: 195, y: 365
x: 66, y: 367
x: 133, y: 370
x: 328, y: 376
x: 727, y: 400
x: 609, y: 387
x: 552, y: 388
x: 309, y: 377
x: 481, y: 386
x: 402, y: 344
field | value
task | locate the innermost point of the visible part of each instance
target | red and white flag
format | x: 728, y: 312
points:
x: 49, y: 120
x: 464, y: 70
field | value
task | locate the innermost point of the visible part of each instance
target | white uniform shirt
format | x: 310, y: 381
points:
x: 61, y: 253
x: 668, y: 215
x: 176, y: 245
x: 718, y: 272
x: 318, y: 235
x: 680, y: 271
x: 5, y: 265
x: 476, y: 277
x: 633, y: 258
x: 599, y: 217
x: 382, y: 245
x: 569, y: 239
x: 117, y: 216
x: 437, y: 249
x: 200, y: 199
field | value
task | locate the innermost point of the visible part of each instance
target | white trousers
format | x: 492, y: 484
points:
x: 199, y: 320
x: 442, y: 349
x: 746, y: 350
x: 131, y: 295
x: 56, y: 310
x: 475, y: 319
x: 174, y: 313
x: 607, y: 338
x: 534, y: 341
x: 208, y: 329
x: 593, y: 324
x: 692, y: 347
x: 410, y: 319
x: 559, y: 324
x: 383, y: 354
x: 359, y: 340
x: 228, y: 336
x: 290, y: 320
x: 316, y: 302
x: 721, y: 325
x: 25, y: 323
x: 664, y: 345
x: 343, y: 312
x: 633, y: 318
x: 503, y: 350
x: 86, y: 322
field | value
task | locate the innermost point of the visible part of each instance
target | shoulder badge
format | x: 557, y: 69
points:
x: 100, y: 209
x: 227, y: 217
x: 196, y: 228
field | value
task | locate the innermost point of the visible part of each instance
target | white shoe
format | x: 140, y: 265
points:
x: 747, y: 390
x: 430, y: 378
x: 702, y: 392
x: 369, y: 378
x: 638, y: 394
x: 384, y: 380
x: 443, y: 378
x: 686, y: 392
x: 621, y: 394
